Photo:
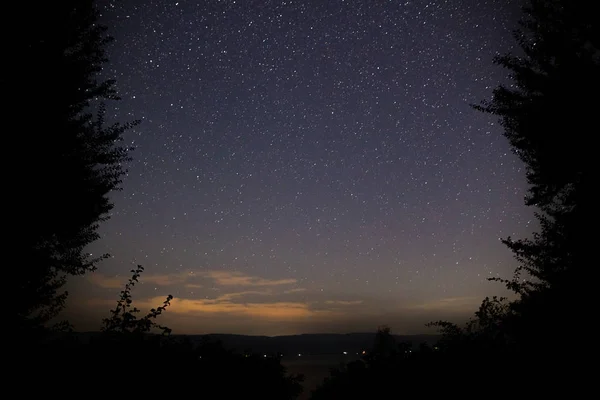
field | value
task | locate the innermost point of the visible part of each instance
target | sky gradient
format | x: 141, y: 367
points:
x: 308, y: 166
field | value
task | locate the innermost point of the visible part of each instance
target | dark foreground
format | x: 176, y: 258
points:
x: 315, y: 368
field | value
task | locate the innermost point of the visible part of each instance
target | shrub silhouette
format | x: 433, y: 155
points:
x: 128, y: 359
x: 389, y: 368
x: 123, y: 319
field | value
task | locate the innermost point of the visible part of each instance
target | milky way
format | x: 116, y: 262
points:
x: 309, y: 166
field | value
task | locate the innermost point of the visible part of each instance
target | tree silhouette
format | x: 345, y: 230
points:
x: 547, y: 112
x: 393, y: 368
x: 548, y: 115
x: 384, y: 344
x: 123, y: 317
x: 71, y: 158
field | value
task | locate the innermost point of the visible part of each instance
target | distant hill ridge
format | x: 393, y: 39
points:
x: 327, y: 343
x: 311, y: 343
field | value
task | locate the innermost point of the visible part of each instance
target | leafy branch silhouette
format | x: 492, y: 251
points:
x: 124, y: 317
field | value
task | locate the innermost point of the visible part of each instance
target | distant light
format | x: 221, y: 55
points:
x: 345, y: 352
x: 299, y: 355
x: 265, y: 356
x: 364, y: 352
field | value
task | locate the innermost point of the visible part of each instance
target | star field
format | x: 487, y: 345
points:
x: 309, y: 166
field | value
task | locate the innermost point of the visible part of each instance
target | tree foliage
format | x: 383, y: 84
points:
x: 395, y: 368
x: 384, y: 344
x: 71, y: 157
x: 553, y: 82
x: 548, y: 115
x: 123, y: 318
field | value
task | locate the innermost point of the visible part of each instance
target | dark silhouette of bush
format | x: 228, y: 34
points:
x: 384, y: 344
x: 456, y: 366
x: 73, y: 158
x: 123, y: 319
x: 394, y: 368
x: 127, y: 358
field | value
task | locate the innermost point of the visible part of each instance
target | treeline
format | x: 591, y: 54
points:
x: 134, y: 355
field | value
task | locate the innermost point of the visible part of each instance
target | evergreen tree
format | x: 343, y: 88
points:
x: 70, y: 159
x: 548, y: 115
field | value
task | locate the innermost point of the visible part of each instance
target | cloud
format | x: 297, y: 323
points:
x: 100, y: 302
x: 296, y: 290
x: 166, y: 279
x: 344, y: 302
x: 117, y: 282
x: 282, y: 311
x: 106, y: 282
x: 226, y: 278
x: 234, y: 304
x: 231, y: 296
x: 268, y: 310
x: 448, y: 304
x: 190, y: 280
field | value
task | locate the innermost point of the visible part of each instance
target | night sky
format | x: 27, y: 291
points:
x: 308, y: 166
